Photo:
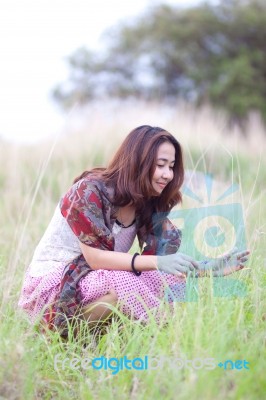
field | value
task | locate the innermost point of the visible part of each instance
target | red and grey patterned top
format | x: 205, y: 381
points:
x: 89, y: 211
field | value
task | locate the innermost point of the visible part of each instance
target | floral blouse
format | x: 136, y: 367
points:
x: 90, y: 213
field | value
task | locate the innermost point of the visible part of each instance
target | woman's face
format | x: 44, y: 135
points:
x: 163, y: 173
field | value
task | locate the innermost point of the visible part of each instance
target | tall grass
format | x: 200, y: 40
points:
x: 32, y: 179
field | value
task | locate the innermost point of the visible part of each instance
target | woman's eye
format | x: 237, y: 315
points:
x: 161, y: 166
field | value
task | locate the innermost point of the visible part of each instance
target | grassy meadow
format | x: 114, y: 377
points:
x: 32, y: 179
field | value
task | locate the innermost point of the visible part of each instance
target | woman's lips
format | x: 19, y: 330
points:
x: 162, y: 185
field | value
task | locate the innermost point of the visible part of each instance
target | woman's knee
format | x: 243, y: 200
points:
x: 113, y: 295
x: 98, y: 310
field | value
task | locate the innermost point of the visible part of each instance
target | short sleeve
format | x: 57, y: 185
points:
x: 165, y: 240
x: 82, y: 207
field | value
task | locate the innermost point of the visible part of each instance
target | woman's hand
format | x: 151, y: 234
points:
x: 177, y: 264
x: 224, y: 265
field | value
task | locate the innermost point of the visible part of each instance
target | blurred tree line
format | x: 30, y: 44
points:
x: 206, y: 53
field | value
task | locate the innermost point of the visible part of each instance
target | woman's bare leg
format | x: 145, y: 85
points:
x: 95, y: 312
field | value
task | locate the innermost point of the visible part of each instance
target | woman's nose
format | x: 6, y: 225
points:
x: 167, y: 173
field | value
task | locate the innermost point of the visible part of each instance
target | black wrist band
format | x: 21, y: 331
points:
x: 138, y: 273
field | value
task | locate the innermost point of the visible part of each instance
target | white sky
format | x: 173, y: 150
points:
x: 35, y: 36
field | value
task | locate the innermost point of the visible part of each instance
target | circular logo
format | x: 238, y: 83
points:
x: 214, y: 235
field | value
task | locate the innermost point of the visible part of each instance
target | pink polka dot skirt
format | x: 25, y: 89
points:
x: 136, y: 294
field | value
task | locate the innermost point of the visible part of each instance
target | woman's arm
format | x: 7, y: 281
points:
x: 176, y: 264
x: 223, y: 265
x: 115, y: 260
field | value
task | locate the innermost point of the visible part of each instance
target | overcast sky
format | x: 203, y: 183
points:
x: 35, y: 36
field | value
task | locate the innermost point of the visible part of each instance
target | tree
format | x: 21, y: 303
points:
x: 204, y: 53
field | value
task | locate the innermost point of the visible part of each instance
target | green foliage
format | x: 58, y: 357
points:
x: 208, y: 53
x: 216, y: 327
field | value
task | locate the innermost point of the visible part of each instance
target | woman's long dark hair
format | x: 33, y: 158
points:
x: 131, y: 170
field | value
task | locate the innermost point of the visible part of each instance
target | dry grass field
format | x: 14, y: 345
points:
x: 32, y: 179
